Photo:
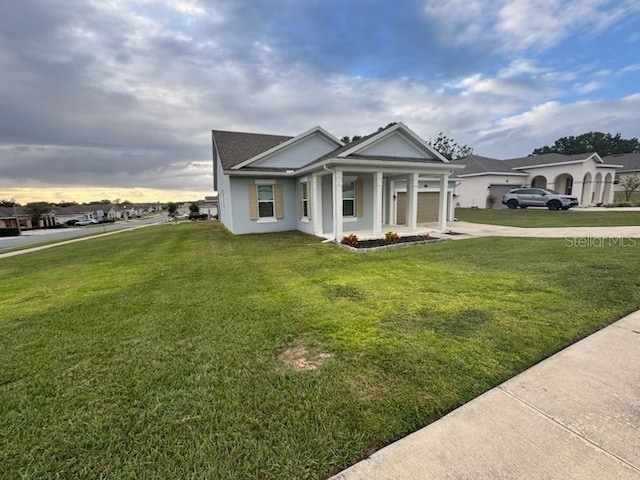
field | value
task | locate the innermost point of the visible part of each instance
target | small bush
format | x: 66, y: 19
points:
x: 391, y: 237
x: 351, y: 240
x: 9, y: 232
x: 624, y: 204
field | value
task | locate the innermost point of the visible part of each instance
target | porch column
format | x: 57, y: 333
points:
x: 377, y: 204
x: 316, y: 204
x: 337, y: 205
x: 442, y: 205
x: 412, y: 202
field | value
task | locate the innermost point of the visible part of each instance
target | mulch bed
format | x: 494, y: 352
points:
x: 380, y: 242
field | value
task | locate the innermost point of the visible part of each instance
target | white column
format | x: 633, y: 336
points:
x: 337, y: 205
x: 377, y: 204
x: 442, y: 202
x: 412, y: 202
x: 316, y: 204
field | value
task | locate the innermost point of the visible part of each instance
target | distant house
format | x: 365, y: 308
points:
x: 8, y: 219
x: 586, y: 176
x: 389, y: 180
x: 77, y: 212
x: 209, y: 206
x: 630, y: 166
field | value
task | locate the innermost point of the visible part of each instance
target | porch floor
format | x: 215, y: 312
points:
x: 402, y: 230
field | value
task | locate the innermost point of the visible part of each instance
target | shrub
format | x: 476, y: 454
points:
x: 351, y: 240
x: 391, y: 237
x: 9, y: 232
x: 624, y: 204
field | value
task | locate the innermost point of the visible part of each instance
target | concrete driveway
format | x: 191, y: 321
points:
x: 467, y: 230
x: 574, y: 415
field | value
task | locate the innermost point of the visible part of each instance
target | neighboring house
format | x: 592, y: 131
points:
x: 8, y: 219
x: 316, y: 184
x: 630, y: 166
x: 75, y: 212
x: 209, y: 206
x: 586, y: 176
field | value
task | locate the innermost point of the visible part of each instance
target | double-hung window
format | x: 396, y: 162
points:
x: 349, y: 199
x: 266, y: 207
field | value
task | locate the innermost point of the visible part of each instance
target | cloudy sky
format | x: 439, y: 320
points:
x: 117, y: 98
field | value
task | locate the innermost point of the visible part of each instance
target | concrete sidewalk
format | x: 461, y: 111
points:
x: 574, y: 415
x: 74, y: 240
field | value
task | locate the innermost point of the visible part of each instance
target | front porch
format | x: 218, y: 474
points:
x: 370, y: 202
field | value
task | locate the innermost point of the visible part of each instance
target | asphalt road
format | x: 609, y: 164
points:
x: 40, y: 236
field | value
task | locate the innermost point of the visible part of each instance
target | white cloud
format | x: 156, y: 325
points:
x: 520, y: 25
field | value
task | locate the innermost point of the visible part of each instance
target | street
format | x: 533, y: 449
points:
x: 34, y: 237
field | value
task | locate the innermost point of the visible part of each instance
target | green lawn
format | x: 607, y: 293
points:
x: 548, y: 218
x: 621, y: 197
x: 159, y: 353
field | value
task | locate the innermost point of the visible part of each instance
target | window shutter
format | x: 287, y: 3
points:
x: 253, y: 201
x: 359, y: 197
x: 299, y: 199
x: 278, y: 201
x: 309, y: 200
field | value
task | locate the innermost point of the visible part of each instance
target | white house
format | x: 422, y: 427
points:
x: 630, y: 166
x: 389, y: 180
x: 586, y: 176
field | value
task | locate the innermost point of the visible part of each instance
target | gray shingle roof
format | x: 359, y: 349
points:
x: 478, y: 164
x: 630, y: 161
x: 236, y: 147
x: 545, y: 159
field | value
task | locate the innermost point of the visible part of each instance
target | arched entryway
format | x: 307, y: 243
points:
x: 597, y: 192
x: 587, y: 185
x: 564, y: 184
x: 606, y: 194
x: 539, y: 181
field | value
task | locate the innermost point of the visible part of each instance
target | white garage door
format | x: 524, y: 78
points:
x: 428, y: 203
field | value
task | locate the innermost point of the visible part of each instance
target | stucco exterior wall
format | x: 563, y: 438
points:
x: 473, y: 191
x: 242, y: 222
x: 224, y: 198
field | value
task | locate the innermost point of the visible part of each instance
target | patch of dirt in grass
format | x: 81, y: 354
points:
x: 348, y: 292
x: 298, y: 356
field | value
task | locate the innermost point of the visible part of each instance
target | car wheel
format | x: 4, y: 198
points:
x: 554, y: 205
x: 523, y: 206
x: 512, y: 203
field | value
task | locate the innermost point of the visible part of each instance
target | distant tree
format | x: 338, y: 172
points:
x: 106, y: 200
x: 66, y: 204
x: 172, y: 208
x: 602, y: 143
x: 346, y: 138
x: 6, y: 203
x: 37, y: 210
x: 448, y: 148
x: 194, y: 208
x: 630, y: 184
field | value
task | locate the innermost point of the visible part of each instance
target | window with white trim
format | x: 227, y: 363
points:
x: 304, y: 198
x: 349, y: 199
x: 266, y: 203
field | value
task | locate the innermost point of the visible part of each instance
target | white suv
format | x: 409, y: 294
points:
x: 538, y: 197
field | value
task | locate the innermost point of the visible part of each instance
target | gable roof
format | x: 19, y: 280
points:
x: 237, y: 147
x: 630, y: 161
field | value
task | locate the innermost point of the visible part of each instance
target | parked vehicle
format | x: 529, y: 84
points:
x: 89, y: 221
x: 538, y: 197
x: 71, y: 222
x: 198, y: 216
x: 106, y: 220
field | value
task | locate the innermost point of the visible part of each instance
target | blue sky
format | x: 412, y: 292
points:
x: 116, y: 98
